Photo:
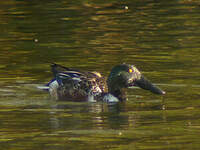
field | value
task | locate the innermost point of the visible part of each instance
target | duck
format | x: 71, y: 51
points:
x: 74, y: 85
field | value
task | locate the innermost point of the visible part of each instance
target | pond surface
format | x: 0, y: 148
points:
x: 162, y: 38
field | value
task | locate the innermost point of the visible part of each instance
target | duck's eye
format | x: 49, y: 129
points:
x: 130, y: 70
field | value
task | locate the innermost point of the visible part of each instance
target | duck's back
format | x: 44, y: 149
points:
x: 75, y: 85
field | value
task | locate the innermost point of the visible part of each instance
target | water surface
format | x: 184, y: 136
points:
x: 160, y: 37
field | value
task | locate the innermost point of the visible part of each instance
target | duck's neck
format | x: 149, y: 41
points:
x: 119, y: 93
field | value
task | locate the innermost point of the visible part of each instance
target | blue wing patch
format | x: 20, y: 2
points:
x: 72, y: 75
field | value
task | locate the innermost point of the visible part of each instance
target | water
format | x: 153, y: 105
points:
x: 160, y: 37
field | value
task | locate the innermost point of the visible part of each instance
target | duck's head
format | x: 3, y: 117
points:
x: 124, y: 76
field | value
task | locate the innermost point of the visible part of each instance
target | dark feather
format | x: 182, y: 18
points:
x: 75, y: 84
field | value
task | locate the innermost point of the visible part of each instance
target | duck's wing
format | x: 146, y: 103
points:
x: 75, y: 82
x: 62, y: 72
x: 59, y: 69
x: 64, y: 75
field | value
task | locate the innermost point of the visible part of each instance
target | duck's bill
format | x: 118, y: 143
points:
x: 147, y: 85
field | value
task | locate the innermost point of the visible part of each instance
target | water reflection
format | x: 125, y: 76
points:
x: 63, y: 123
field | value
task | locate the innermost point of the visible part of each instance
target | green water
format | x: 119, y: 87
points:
x: 162, y: 38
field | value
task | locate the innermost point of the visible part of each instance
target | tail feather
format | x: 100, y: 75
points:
x: 58, y: 68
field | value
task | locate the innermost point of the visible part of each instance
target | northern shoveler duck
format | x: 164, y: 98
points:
x: 75, y: 85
